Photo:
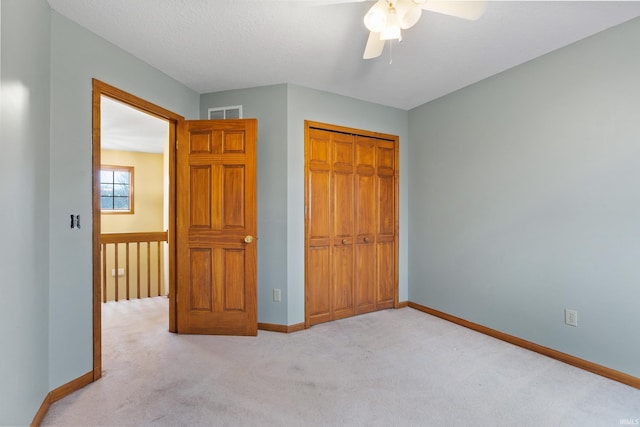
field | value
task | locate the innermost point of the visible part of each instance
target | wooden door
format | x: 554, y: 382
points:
x: 216, y: 227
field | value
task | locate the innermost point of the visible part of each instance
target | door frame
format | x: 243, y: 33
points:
x: 99, y: 89
x: 308, y: 124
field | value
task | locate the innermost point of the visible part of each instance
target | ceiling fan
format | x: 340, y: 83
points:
x: 387, y: 18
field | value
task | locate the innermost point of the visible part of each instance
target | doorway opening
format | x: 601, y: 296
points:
x: 142, y: 260
x: 134, y: 197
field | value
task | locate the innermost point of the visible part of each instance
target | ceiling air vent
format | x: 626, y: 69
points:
x: 222, y: 113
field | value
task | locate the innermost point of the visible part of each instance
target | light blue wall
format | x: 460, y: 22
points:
x: 309, y: 104
x: 77, y: 56
x: 24, y: 209
x: 525, y: 201
x: 269, y: 105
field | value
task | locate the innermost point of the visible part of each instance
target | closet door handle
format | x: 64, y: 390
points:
x: 344, y: 241
x: 366, y: 240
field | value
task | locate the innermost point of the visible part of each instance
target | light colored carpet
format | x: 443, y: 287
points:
x: 389, y: 368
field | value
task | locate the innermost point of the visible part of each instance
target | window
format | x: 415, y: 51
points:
x: 222, y: 113
x: 116, y: 189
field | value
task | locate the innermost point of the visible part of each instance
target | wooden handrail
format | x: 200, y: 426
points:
x: 117, y: 239
x: 153, y: 236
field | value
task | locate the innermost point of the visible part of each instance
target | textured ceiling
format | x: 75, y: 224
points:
x: 215, y: 45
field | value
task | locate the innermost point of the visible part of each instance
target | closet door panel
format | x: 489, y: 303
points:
x: 386, y: 267
x: 342, y: 289
x: 365, y: 277
x: 342, y: 214
x: 386, y: 206
x: 319, y: 181
x: 342, y: 174
x: 318, y: 291
x: 366, y: 205
x: 386, y: 188
x: 319, y: 209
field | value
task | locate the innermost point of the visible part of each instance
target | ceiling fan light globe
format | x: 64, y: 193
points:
x: 376, y: 18
x: 391, y: 33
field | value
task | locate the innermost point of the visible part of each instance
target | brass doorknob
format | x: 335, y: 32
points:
x: 366, y: 240
x: 248, y: 239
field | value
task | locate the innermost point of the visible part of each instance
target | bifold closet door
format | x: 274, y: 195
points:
x: 351, y: 209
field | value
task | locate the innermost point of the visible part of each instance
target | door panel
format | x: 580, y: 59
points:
x: 216, y: 210
x: 201, y: 277
x: 342, y: 201
x: 387, y: 202
x: 342, y: 214
x: 386, y: 289
x: 365, y: 277
x: 234, y: 269
x: 233, y: 197
x: 366, y: 206
x: 386, y: 218
x: 319, y: 185
x: 342, y: 285
x: 318, y: 293
x: 200, y: 209
x: 366, y: 203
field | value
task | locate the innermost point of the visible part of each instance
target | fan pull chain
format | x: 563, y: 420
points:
x: 390, y: 52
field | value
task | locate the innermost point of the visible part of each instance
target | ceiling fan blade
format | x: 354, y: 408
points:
x: 470, y: 10
x: 374, y: 47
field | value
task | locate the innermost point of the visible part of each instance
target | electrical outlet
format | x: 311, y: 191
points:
x: 571, y: 317
x: 277, y: 296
